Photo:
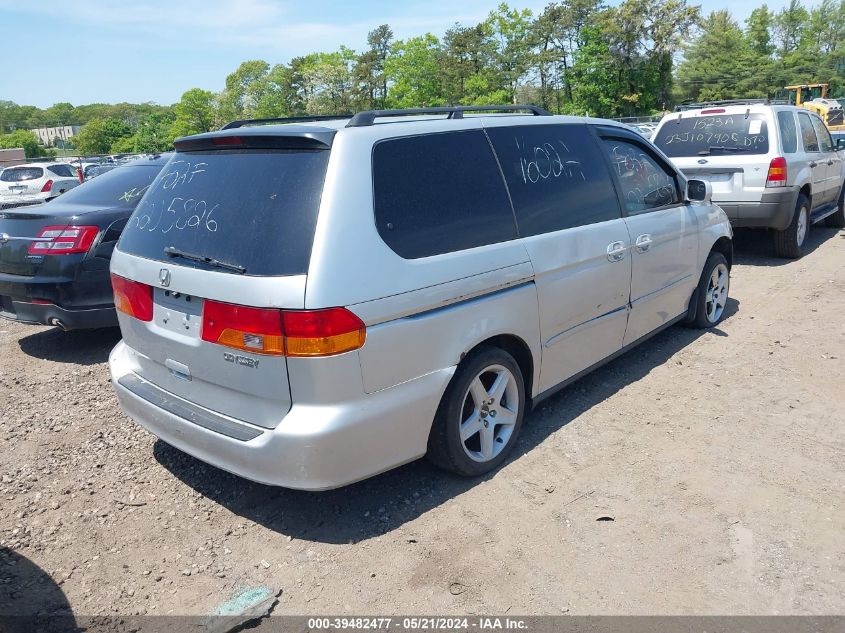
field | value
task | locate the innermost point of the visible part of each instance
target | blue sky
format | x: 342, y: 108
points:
x: 153, y: 50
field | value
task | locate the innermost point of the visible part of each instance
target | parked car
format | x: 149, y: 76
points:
x: 30, y: 184
x: 770, y: 166
x: 54, y: 257
x: 310, y: 304
x: 92, y: 171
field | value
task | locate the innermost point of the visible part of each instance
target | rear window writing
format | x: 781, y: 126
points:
x: 714, y: 135
x: 255, y: 209
x: 19, y: 174
x: 120, y: 188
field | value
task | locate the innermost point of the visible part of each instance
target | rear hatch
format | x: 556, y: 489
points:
x: 221, y: 242
x: 729, y: 149
x: 21, y: 182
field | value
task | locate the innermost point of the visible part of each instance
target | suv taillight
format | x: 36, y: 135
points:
x: 133, y: 298
x: 777, y: 173
x: 63, y: 240
x: 48, y: 186
x: 282, y: 332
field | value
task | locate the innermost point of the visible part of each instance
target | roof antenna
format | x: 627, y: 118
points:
x: 747, y: 113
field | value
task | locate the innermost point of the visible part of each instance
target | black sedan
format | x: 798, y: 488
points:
x: 54, y: 257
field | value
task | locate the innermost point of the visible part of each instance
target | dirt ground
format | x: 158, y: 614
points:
x: 719, y: 456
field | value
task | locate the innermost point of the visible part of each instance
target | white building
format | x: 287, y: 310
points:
x: 49, y: 135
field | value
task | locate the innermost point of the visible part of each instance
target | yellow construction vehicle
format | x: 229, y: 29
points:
x: 814, y: 97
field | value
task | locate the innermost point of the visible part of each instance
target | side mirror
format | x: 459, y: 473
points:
x: 840, y: 144
x: 699, y: 191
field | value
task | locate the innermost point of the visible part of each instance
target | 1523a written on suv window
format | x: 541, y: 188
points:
x: 714, y: 135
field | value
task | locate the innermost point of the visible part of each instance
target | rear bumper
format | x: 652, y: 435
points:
x: 774, y: 210
x: 51, y: 314
x: 315, y: 447
x: 78, y: 302
x: 10, y: 202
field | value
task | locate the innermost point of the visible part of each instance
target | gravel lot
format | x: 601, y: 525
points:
x: 719, y: 456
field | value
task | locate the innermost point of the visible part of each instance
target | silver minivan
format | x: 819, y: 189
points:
x: 311, y: 303
x: 771, y: 165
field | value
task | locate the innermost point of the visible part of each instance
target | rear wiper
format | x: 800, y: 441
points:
x: 172, y: 251
x: 706, y: 152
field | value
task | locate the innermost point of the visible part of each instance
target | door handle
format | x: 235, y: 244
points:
x: 814, y: 164
x: 830, y: 162
x: 643, y: 243
x: 616, y: 251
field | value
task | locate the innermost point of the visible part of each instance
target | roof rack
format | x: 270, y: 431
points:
x: 728, y: 102
x: 365, y: 119
x: 291, y: 119
x: 368, y: 117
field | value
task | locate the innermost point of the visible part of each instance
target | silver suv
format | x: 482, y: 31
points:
x: 310, y: 304
x: 770, y: 166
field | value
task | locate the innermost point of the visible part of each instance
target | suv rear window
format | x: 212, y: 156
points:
x: 120, y: 188
x: 717, y: 135
x: 17, y: 174
x: 439, y: 193
x: 254, y: 209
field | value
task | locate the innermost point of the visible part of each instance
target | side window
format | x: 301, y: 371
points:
x: 439, y: 193
x: 808, y: 134
x: 788, y: 132
x: 646, y: 183
x: 61, y: 170
x: 556, y: 177
x: 825, y: 142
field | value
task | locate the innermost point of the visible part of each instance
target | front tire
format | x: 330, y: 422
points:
x: 837, y: 220
x: 480, y: 417
x: 711, y: 296
x: 789, y: 243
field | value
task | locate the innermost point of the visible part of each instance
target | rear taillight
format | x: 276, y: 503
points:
x: 48, y: 186
x: 133, y: 298
x: 63, y: 240
x: 250, y: 329
x: 777, y: 173
x: 322, y: 332
x: 282, y: 332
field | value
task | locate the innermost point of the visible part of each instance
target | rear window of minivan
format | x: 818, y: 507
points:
x: 19, y: 174
x: 251, y: 209
x: 717, y: 135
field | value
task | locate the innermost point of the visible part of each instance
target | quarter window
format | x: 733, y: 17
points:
x: 439, y: 193
x: 556, y: 177
x: 788, y: 132
x: 62, y: 170
x: 808, y: 134
x: 646, y: 183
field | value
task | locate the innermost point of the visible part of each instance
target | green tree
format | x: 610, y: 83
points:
x: 27, y: 140
x: 789, y: 26
x: 154, y: 134
x: 194, y: 112
x: 510, y: 29
x: 758, y: 31
x: 720, y: 63
x: 414, y: 70
x: 98, y: 135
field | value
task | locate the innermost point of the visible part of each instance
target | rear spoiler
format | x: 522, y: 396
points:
x: 291, y: 137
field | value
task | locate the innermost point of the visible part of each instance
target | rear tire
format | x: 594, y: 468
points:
x: 480, y: 417
x: 789, y: 243
x: 711, y: 296
x: 837, y: 220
